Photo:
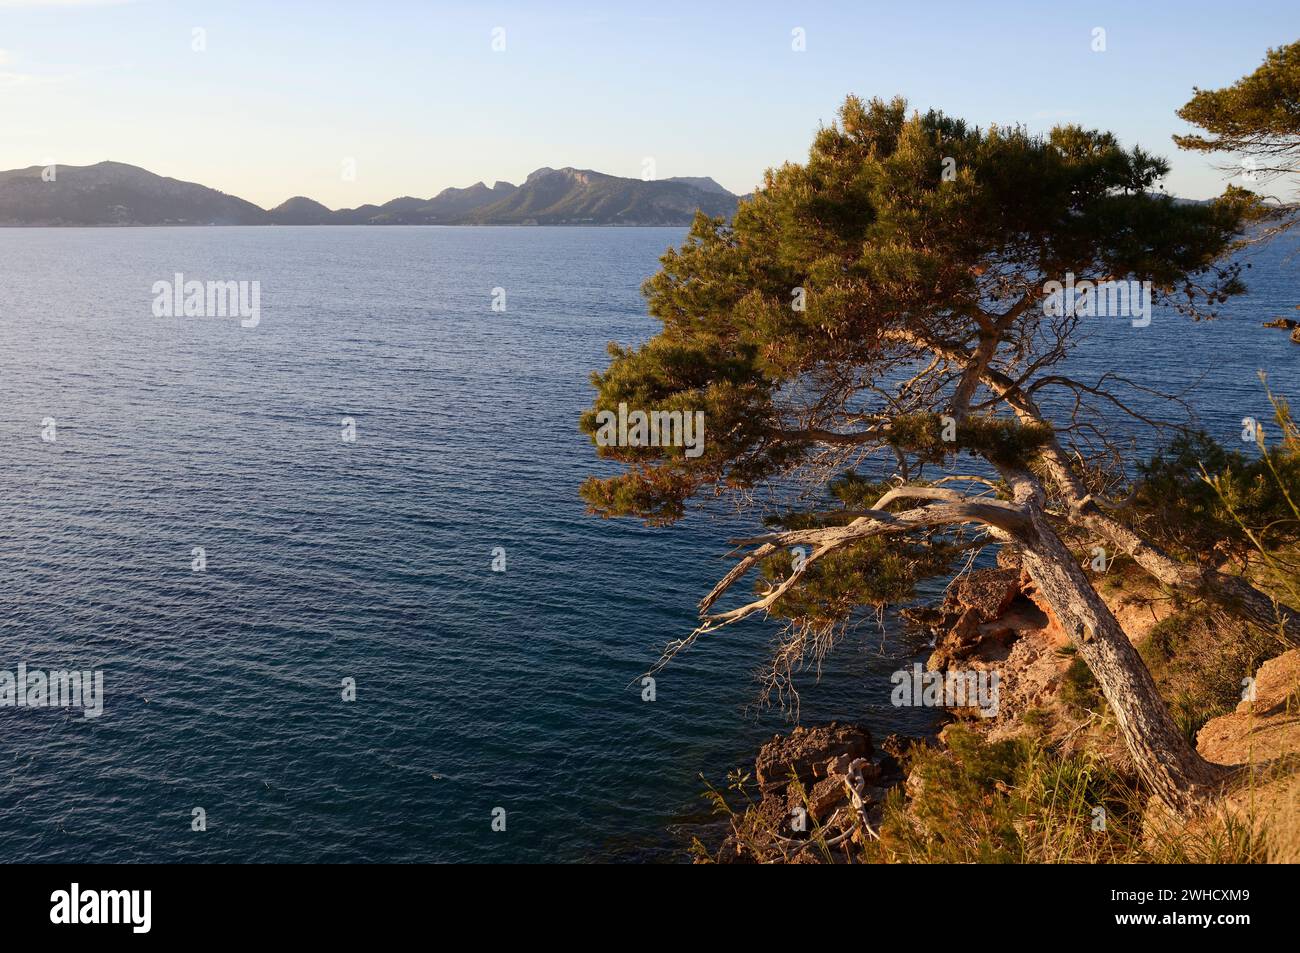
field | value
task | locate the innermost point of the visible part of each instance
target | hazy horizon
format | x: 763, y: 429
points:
x: 489, y: 183
x: 424, y: 98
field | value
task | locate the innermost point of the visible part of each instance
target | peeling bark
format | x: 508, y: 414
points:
x: 1233, y: 591
x: 1164, y: 758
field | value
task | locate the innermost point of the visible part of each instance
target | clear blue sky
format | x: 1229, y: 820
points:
x: 414, y: 93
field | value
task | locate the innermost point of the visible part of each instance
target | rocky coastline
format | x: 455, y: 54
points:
x: 822, y: 789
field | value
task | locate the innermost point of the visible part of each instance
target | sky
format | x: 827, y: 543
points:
x: 356, y: 102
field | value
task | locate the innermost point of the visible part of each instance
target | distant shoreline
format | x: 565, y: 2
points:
x: 116, y: 195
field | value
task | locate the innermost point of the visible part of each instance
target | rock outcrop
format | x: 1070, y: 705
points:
x: 1263, y: 735
x: 819, y: 787
x: 996, y: 619
x: 806, y: 754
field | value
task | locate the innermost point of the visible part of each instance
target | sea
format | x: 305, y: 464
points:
x: 334, y: 570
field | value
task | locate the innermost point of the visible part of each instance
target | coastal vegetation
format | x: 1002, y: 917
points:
x: 869, y: 342
x: 1050, y: 782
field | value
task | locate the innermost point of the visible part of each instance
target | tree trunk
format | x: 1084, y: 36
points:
x: 1233, y: 591
x: 1164, y: 758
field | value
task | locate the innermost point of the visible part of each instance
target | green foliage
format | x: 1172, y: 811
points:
x: 998, y: 439
x: 1279, y: 458
x: 1258, y: 109
x: 687, y: 378
x: 1198, y: 658
x: 876, y: 572
x: 1258, y: 118
x: 1011, y: 801
x: 879, y: 571
x: 1213, y: 518
x: 856, y: 492
x: 655, y: 494
x: 824, y: 277
x: 1079, y: 689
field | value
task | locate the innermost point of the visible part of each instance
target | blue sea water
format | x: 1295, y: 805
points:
x: 372, y: 560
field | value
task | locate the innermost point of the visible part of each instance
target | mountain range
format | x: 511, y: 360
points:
x: 113, y: 193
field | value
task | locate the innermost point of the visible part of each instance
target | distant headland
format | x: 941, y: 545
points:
x: 113, y: 193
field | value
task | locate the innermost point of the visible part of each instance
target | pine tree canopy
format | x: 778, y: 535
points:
x: 894, y: 280
x: 1258, y: 116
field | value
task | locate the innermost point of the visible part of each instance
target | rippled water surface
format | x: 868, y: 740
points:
x: 371, y: 560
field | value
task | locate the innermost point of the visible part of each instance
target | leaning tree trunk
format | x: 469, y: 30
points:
x: 1231, y: 591
x: 1164, y: 758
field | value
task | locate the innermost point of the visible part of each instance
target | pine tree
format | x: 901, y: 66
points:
x: 883, y: 306
x: 1257, y: 117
